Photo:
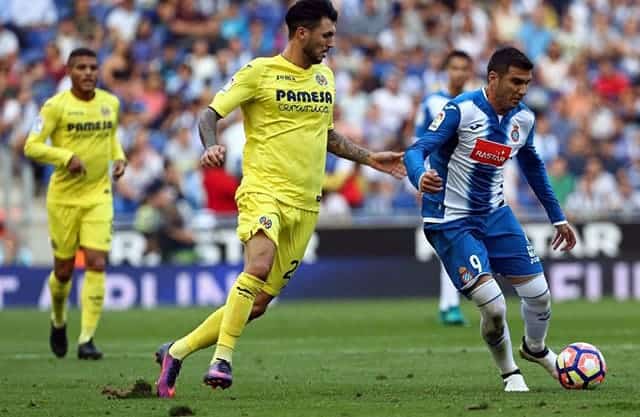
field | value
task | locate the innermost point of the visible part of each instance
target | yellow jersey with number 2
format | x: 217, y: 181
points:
x: 287, y: 111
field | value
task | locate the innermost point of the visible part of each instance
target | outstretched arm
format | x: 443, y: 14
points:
x: 388, y: 162
x: 213, y: 155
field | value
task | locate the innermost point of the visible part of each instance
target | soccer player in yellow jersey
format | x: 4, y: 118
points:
x: 81, y: 124
x: 287, y: 102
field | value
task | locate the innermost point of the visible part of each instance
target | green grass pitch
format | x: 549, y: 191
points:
x: 325, y: 359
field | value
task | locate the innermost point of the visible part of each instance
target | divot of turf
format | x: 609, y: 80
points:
x: 141, y: 389
x: 181, y: 410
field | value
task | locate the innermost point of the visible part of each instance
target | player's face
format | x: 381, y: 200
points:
x: 83, y: 71
x: 319, y: 41
x: 459, y: 71
x: 512, y: 87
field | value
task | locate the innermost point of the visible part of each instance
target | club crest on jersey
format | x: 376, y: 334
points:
x: 465, y: 274
x: 437, y: 121
x: 321, y: 80
x: 490, y: 153
x: 266, y: 222
x: 105, y: 111
x: 515, y: 133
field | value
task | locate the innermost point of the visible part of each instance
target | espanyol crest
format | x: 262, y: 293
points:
x: 515, y: 133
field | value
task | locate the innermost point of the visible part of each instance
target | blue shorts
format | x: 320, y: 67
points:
x: 483, y: 244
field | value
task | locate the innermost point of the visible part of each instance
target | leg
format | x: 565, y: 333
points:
x: 450, y: 313
x: 93, y: 289
x: 59, y: 288
x: 514, y: 257
x: 466, y: 259
x: 95, y: 240
x: 63, y: 231
x: 494, y: 329
x: 536, y: 312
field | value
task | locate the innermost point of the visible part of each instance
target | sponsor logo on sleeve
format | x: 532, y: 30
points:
x: 228, y: 85
x: 490, y: 153
x: 38, y: 124
x: 437, y: 121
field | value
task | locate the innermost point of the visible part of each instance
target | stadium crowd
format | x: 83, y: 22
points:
x: 165, y: 59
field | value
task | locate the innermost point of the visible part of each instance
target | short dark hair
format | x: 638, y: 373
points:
x: 81, y: 52
x: 507, y: 57
x: 456, y: 53
x: 308, y: 13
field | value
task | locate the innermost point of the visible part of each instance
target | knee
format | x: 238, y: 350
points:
x: 535, y: 293
x: 257, y: 310
x: 96, y: 263
x: 64, y: 272
x: 495, y: 313
x: 259, y: 268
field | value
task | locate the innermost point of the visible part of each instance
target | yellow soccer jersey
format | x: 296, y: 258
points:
x: 287, y: 111
x: 83, y: 128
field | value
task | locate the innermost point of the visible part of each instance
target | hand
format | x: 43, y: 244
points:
x: 76, y: 166
x: 564, y: 233
x: 389, y: 162
x: 430, y: 182
x: 213, y: 156
x: 118, y: 169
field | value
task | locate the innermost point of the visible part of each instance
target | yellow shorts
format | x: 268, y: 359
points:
x: 290, y: 228
x: 71, y: 227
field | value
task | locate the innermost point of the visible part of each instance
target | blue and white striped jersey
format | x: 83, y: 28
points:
x: 468, y: 143
x: 429, y: 108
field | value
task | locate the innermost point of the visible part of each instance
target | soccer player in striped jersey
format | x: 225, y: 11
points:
x: 466, y: 220
x: 459, y: 68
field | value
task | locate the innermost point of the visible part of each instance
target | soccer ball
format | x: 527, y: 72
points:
x: 581, y: 366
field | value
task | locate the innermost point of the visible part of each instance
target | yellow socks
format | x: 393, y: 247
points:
x: 237, y: 311
x: 59, y: 294
x: 205, y: 335
x: 92, y: 300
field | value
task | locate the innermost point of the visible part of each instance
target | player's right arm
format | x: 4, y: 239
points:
x: 441, y: 129
x: 36, y: 148
x: 239, y: 90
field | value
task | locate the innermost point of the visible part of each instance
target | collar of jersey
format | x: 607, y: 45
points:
x: 294, y: 66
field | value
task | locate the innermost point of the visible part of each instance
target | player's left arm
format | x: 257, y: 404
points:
x: 117, y: 153
x: 534, y: 171
x: 389, y: 162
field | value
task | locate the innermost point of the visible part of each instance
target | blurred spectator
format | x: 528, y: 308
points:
x: 165, y: 59
x: 561, y: 179
x: 123, y: 20
x: 163, y: 226
x: 220, y: 189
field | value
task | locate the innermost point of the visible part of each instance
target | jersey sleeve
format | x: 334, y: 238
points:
x: 240, y: 89
x: 534, y: 171
x: 423, y: 120
x: 36, y: 148
x: 117, y: 154
x: 440, y: 130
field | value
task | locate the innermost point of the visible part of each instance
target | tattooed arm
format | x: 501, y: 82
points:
x: 207, y: 127
x: 213, y: 155
x: 389, y: 162
x: 339, y: 145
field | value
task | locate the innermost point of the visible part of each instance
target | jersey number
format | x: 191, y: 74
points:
x: 287, y: 275
x: 475, y: 262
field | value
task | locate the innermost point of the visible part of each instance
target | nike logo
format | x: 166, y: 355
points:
x: 475, y: 126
